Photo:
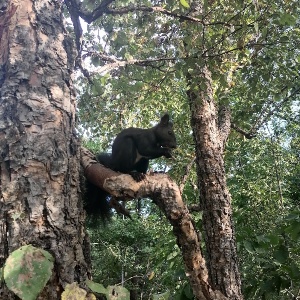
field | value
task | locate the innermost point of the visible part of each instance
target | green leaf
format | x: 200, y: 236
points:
x: 293, y: 271
x: 295, y: 215
x: 256, y: 27
x: 293, y: 229
x: 188, y: 292
x: 96, y: 287
x: 27, y: 271
x: 96, y: 61
x: 284, y: 39
x: 287, y: 19
x: 172, y: 255
x: 104, y: 78
x: 249, y: 247
x: 128, y: 56
x: 285, y: 283
x: 184, y: 3
x: 281, y: 254
x: 271, y: 285
x: 184, y: 293
x: 274, y: 239
x: 97, y: 87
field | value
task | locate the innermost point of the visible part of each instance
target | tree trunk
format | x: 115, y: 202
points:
x: 210, y: 132
x: 39, y: 164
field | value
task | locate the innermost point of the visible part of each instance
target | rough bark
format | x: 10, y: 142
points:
x: 210, y: 131
x: 39, y: 162
x: 166, y: 194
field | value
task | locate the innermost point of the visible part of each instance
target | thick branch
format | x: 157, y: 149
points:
x: 165, y: 193
x: 159, y: 9
x: 104, y: 8
x: 93, y: 171
x: 101, y: 9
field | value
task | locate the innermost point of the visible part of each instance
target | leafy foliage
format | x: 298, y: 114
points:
x: 275, y: 258
x: 142, y: 252
x: 266, y: 215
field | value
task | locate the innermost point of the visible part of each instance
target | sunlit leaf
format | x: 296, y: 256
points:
x: 184, y: 3
x: 74, y: 292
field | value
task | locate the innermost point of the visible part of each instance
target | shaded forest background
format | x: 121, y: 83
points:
x: 135, y: 68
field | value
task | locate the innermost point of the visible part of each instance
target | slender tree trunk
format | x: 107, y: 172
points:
x: 211, y: 127
x: 39, y: 162
x: 210, y: 132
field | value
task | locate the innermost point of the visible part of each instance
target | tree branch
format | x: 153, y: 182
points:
x: 101, y: 9
x: 262, y: 119
x: 276, y: 107
x: 186, y: 173
x: 104, y: 8
x: 115, y: 63
x: 224, y: 124
x: 74, y: 14
x: 166, y: 195
x: 249, y: 135
x: 159, y: 9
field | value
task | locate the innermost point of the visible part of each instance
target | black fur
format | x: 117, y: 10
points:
x: 131, y: 151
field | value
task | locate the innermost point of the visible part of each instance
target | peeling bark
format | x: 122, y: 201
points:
x: 39, y: 161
